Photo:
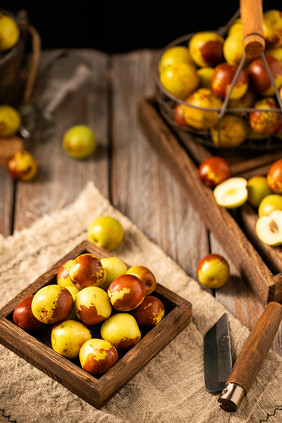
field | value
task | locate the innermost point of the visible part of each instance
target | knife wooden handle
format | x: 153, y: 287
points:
x: 255, y: 349
x: 252, y: 18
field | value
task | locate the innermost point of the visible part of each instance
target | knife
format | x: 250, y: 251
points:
x: 251, y: 357
x: 218, y: 362
x: 217, y: 356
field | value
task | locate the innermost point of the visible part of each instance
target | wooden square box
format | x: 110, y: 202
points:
x: 36, y: 349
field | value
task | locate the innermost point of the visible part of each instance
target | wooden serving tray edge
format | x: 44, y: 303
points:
x: 95, y: 391
x: 218, y: 220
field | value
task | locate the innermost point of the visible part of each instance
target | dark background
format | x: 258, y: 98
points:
x: 120, y: 26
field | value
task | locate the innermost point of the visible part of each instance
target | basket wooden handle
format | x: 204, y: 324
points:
x: 252, y: 18
x: 35, y: 56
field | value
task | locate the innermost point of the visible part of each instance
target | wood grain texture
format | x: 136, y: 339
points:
x: 251, y: 15
x: 256, y: 348
x: 96, y: 391
x: 6, y: 203
x: 242, y: 163
x: 236, y: 295
x: 142, y: 187
x: 69, y: 88
x: 252, y: 166
x: 198, y: 151
x: 8, y: 147
x: 271, y: 255
x: 126, y: 168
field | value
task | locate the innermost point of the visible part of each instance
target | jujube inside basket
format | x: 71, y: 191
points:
x: 226, y: 97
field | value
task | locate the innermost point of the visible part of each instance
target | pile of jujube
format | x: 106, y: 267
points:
x: 91, y: 295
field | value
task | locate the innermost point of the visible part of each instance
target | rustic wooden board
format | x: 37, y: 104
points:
x: 96, y: 391
x: 218, y: 220
x: 272, y: 255
x: 242, y: 162
x: 82, y: 98
x: 8, y: 147
x: 161, y: 210
x: 142, y: 188
x: 126, y: 165
x: 6, y: 205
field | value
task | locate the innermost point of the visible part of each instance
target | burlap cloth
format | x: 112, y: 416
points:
x: 168, y: 389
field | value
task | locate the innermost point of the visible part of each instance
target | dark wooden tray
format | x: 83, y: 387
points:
x: 244, y: 161
x: 259, y: 264
x: 96, y: 391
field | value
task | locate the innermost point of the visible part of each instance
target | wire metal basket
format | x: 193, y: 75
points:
x: 167, y: 102
x: 18, y: 66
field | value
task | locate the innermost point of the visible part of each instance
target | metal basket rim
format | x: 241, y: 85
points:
x: 180, y: 101
x: 203, y: 133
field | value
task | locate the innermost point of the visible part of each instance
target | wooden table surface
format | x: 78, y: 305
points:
x: 102, y: 91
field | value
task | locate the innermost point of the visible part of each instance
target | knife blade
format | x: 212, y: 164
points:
x: 217, y: 355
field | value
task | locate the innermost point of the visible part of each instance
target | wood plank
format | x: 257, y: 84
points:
x: 6, y: 203
x: 272, y: 255
x: 243, y: 161
x: 73, y: 86
x: 252, y: 165
x: 8, y: 147
x: 142, y: 187
x: 236, y: 295
x: 198, y: 151
x: 261, y: 170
